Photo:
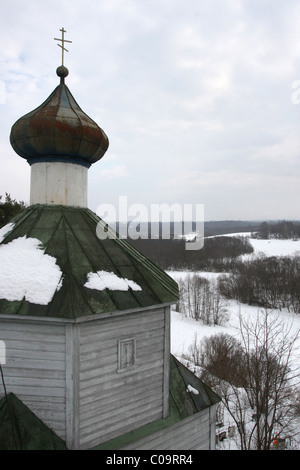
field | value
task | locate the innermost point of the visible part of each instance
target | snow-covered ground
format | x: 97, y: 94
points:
x: 184, y: 329
x: 275, y: 247
x: 271, y: 247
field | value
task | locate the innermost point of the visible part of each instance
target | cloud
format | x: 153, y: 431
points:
x: 116, y: 172
x: 187, y: 95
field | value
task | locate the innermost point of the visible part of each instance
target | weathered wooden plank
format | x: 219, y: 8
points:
x: 106, y: 401
x: 99, y: 411
x: 51, y: 380
x: 30, y: 326
x: 116, y: 395
x: 29, y: 354
x: 190, y: 433
x: 20, y: 389
x: 33, y: 334
x: 101, y: 366
x: 144, y: 330
x: 106, y: 348
x: 35, y: 346
x: 122, y: 332
x: 102, y: 358
x: 89, y: 395
x: 114, y: 429
x: 71, y: 393
x: 24, y: 366
x: 120, y: 419
x: 120, y: 379
x: 122, y: 328
x: 40, y: 400
x: 137, y: 319
x: 122, y: 412
x: 103, y: 342
x: 33, y: 382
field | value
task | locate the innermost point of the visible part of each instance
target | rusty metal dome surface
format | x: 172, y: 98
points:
x: 58, y: 130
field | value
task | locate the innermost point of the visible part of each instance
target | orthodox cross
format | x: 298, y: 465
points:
x: 62, y: 45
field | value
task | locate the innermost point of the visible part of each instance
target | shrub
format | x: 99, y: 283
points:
x: 267, y: 282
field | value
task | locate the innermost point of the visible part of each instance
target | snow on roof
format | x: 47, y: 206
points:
x: 104, y: 280
x: 27, y: 272
x: 192, y: 389
x: 5, y: 231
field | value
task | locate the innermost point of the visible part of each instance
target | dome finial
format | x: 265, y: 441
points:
x: 62, y: 71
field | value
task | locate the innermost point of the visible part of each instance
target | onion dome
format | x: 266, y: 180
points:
x: 58, y: 130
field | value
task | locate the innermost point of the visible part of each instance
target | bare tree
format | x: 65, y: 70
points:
x: 256, y: 377
x: 272, y: 378
x: 201, y: 300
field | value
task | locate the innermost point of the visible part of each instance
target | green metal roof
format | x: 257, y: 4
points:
x: 21, y: 429
x: 69, y: 235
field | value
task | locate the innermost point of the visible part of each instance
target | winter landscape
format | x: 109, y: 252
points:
x: 184, y: 331
x: 236, y: 324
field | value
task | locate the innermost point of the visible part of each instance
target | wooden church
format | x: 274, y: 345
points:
x: 85, y: 319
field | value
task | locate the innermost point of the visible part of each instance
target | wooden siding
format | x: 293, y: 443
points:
x: 111, y: 402
x: 194, y: 433
x: 35, y: 368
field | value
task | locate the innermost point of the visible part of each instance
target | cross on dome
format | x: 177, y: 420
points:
x: 62, y: 45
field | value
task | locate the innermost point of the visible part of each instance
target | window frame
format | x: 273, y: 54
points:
x: 131, y: 365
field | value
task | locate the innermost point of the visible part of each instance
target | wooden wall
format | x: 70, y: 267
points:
x: 111, y: 402
x: 35, y: 368
x: 67, y: 373
x: 194, y: 433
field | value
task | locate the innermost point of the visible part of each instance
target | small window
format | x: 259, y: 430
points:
x: 126, y: 354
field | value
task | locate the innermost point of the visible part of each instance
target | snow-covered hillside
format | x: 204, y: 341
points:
x: 274, y: 247
x: 184, y: 329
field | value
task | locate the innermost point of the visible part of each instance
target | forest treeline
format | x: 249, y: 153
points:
x: 269, y: 282
x: 218, y: 253
x: 282, y: 230
x: 9, y: 208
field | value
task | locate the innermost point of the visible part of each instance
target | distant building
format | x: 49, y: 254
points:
x: 85, y: 321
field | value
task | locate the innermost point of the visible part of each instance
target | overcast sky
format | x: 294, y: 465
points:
x: 199, y: 98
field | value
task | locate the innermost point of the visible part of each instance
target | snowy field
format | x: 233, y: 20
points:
x: 275, y: 247
x: 271, y: 247
x: 184, y: 329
